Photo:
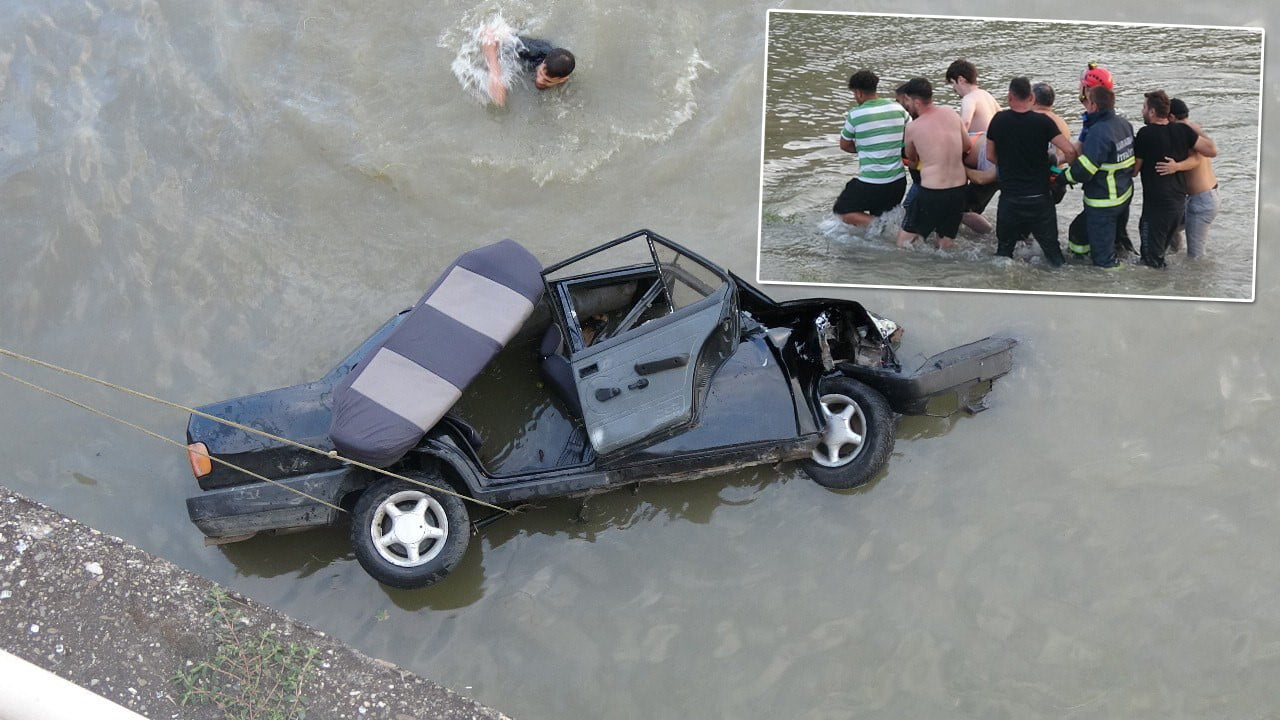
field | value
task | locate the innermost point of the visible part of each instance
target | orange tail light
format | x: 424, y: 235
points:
x: 201, y: 465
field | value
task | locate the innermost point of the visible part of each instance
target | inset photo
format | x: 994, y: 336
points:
x: 1008, y: 155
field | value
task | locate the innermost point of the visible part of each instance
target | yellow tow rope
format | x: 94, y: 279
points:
x: 332, y: 454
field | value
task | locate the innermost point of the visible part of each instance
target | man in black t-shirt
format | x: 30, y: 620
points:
x: 1164, y: 196
x: 1018, y: 141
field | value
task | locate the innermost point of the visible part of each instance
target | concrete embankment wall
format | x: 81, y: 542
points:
x: 123, y: 624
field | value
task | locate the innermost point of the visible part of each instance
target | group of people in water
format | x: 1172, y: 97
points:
x: 959, y: 160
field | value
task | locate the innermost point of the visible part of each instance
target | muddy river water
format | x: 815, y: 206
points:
x: 203, y: 200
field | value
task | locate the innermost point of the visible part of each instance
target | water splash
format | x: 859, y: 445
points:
x: 882, y: 229
x: 472, y: 69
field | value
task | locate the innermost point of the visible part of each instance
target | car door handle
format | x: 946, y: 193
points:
x: 640, y: 384
x: 670, y: 363
x: 606, y: 394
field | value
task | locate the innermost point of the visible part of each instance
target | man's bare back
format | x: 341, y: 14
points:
x: 937, y: 139
x: 977, y: 107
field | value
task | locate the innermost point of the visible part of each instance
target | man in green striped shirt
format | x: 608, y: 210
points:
x: 873, y: 129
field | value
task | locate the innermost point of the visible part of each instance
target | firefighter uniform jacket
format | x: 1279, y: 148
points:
x: 1105, y: 166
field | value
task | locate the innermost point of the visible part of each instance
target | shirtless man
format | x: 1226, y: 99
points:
x: 1043, y: 95
x: 977, y: 107
x: 1202, y: 185
x: 937, y: 142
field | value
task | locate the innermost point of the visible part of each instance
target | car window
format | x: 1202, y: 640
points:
x: 687, y: 281
x: 619, y: 288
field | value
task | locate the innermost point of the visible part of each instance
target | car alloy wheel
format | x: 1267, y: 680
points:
x: 845, y: 433
x: 857, y: 435
x: 409, y: 528
x: 407, y: 535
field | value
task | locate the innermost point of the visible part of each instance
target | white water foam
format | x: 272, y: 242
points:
x: 470, y: 66
x: 881, y: 230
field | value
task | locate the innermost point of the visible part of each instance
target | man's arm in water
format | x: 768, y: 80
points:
x: 497, y: 90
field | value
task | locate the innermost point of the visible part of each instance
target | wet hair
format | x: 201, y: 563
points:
x: 1020, y: 88
x: 1102, y: 96
x: 1043, y: 93
x: 1158, y: 101
x: 1178, y: 109
x: 901, y: 90
x: 559, y: 62
x: 864, y: 80
x: 918, y: 88
x: 962, y: 69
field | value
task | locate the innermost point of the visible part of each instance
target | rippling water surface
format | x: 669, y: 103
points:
x: 202, y: 200
x: 1216, y: 70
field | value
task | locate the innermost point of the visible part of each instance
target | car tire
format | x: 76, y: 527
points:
x: 409, y: 536
x: 857, y: 437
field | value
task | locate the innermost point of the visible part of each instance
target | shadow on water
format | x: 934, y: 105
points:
x: 302, y: 553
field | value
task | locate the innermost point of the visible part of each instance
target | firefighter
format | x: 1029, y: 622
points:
x: 1104, y: 171
x: 1077, y: 236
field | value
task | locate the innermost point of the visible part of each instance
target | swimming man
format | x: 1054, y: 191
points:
x: 550, y: 65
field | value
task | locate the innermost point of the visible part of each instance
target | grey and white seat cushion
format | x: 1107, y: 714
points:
x: 392, y: 398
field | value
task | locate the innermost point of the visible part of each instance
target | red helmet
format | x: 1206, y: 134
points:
x: 1096, y: 76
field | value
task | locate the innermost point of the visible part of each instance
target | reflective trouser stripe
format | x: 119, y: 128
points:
x: 1078, y: 249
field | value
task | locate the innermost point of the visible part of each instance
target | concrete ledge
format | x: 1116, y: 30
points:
x: 122, y: 623
x: 32, y: 693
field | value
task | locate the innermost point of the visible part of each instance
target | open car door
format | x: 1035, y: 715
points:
x: 647, y: 323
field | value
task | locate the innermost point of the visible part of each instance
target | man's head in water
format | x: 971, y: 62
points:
x: 863, y: 84
x: 963, y: 76
x: 554, y: 70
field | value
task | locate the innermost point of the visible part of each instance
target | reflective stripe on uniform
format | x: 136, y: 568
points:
x: 1078, y: 249
x: 1111, y: 201
x: 1112, y: 167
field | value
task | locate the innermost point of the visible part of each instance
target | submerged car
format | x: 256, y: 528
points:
x: 644, y: 362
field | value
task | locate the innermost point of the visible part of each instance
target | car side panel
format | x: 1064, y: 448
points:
x: 622, y: 403
x: 749, y: 400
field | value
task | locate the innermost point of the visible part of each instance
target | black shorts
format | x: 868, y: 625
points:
x: 872, y: 198
x: 979, y: 196
x: 936, y: 211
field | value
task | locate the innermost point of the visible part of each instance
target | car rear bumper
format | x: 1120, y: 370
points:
x: 257, y: 507
x: 965, y: 372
